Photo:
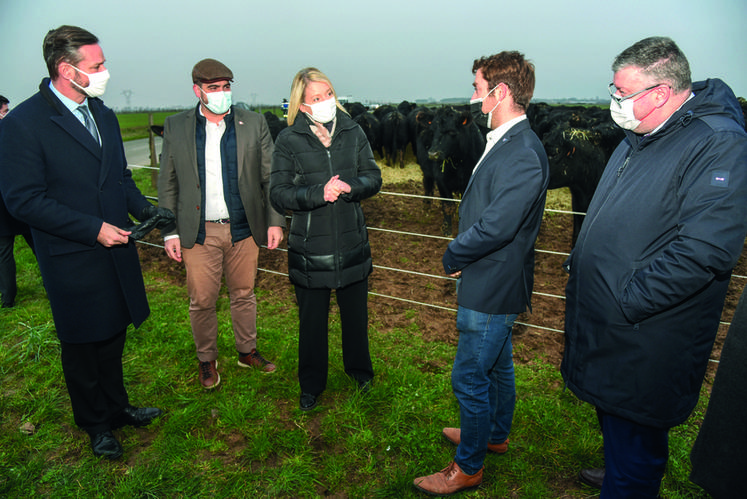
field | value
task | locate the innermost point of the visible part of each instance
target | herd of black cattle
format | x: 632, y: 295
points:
x: 447, y: 144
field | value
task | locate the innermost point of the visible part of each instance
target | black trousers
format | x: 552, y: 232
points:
x: 313, y: 349
x: 8, y: 287
x: 93, y: 374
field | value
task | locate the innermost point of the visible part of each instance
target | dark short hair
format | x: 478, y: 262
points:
x: 511, y: 68
x: 4, y: 100
x: 62, y: 44
x: 659, y: 58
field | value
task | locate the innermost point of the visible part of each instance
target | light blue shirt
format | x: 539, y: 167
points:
x: 73, y: 107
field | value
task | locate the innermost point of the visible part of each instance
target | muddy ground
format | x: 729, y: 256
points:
x: 539, y: 335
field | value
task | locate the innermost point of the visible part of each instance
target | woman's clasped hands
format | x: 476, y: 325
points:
x: 333, y: 188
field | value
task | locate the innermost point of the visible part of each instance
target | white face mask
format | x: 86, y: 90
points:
x: 218, y: 102
x: 96, y: 82
x: 623, y: 114
x: 323, y: 111
x: 481, y: 118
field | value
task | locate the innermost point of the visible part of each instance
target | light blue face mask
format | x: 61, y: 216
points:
x: 218, y: 102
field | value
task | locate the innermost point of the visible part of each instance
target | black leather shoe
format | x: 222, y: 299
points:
x: 136, y: 416
x: 105, y: 445
x: 308, y: 401
x: 593, y: 477
x: 365, y: 386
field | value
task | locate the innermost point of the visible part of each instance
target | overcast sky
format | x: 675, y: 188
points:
x: 375, y: 50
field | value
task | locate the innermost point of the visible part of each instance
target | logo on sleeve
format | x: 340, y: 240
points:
x: 720, y: 179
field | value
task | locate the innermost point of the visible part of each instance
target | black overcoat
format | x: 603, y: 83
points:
x: 58, y: 180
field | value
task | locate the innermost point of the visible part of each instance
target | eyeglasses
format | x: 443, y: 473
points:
x: 619, y: 99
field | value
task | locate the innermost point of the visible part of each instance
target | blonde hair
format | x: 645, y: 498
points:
x: 298, y: 88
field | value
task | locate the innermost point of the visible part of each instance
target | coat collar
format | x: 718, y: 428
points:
x: 70, y: 124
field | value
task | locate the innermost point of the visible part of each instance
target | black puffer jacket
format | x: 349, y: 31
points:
x: 328, y: 242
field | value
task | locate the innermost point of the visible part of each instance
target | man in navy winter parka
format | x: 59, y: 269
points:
x: 651, y: 267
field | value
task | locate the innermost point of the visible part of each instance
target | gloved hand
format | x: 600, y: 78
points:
x: 165, y: 216
x: 152, y: 217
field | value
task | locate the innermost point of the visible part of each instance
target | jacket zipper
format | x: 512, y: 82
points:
x: 336, y: 253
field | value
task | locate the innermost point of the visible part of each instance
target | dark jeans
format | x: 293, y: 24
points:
x: 93, y: 374
x: 313, y: 349
x: 635, y: 458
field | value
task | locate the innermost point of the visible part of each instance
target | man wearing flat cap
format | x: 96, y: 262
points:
x: 215, y: 176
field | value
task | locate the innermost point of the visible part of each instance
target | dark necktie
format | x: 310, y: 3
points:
x: 90, y: 125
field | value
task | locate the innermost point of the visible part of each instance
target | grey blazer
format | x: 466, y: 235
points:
x: 179, y: 183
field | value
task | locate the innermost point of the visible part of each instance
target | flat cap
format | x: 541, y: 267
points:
x: 210, y: 70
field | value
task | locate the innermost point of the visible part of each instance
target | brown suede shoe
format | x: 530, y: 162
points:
x: 255, y: 359
x: 454, y: 435
x: 449, y: 480
x: 209, y: 377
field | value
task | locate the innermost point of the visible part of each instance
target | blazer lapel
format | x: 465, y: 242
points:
x: 239, y: 126
x: 517, y: 128
x: 189, y: 128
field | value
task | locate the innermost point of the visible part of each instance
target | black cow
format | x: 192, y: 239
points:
x: 355, y: 108
x: 275, y: 124
x: 382, y: 111
x: 579, y: 141
x: 455, y: 148
x: 422, y: 119
x: 577, y: 158
x: 394, y: 138
x: 406, y: 107
x: 372, y: 128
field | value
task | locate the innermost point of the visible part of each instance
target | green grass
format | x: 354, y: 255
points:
x: 247, y: 438
x: 135, y: 125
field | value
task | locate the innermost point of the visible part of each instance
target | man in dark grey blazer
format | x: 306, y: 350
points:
x: 63, y: 172
x: 215, y: 175
x: 493, y: 259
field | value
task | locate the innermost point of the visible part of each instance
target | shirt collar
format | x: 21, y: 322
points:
x: 67, y: 101
x: 495, y: 135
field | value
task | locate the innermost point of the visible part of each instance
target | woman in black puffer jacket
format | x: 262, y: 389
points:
x: 322, y: 168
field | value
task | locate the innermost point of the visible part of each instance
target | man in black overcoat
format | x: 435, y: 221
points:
x: 63, y: 172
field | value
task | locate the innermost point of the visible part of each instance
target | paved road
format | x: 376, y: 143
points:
x: 138, y: 151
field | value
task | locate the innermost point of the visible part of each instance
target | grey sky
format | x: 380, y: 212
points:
x: 379, y: 50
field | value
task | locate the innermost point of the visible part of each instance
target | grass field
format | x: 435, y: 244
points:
x: 248, y: 438
x: 135, y: 125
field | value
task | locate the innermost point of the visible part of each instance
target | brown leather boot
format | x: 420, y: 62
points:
x: 449, y: 480
x: 454, y: 435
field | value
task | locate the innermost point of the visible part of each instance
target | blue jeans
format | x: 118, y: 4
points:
x: 483, y: 383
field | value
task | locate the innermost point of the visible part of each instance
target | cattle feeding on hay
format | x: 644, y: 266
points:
x: 578, y: 141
